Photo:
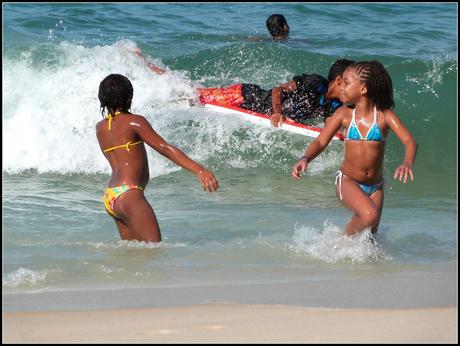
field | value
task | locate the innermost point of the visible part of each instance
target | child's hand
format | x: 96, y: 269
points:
x: 299, y: 167
x: 402, y: 171
x: 208, y: 181
x: 277, y: 119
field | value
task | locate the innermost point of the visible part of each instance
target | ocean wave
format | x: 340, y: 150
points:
x: 50, y: 103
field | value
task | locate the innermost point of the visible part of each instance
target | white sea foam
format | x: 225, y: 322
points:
x: 134, y: 244
x: 23, y: 277
x: 332, y: 245
x: 50, y: 111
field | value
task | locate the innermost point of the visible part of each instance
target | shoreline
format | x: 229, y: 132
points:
x: 396, y: 291
x: 234, y: 323
x: 398, y: 308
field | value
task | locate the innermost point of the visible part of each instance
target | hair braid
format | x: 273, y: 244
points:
x: 378, y: 83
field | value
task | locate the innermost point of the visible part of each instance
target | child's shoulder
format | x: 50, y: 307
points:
x: 137, y: 117
x: 346, y: 108
x: 100, y: 123
x: 137, y: 120
x: 389, y: 115
x: 343, y: 111
x: 342, y: 115
x: 388, y: 112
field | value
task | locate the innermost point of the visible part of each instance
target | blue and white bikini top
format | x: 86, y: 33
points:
x: 374, y: 133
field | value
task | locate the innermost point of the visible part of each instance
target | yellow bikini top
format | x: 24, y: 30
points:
x: 109, y: 118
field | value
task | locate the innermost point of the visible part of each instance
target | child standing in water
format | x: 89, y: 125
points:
x: 121, y: 137
x: 359, y: 182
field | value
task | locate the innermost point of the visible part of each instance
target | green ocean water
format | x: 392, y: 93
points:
x: 261, y: 226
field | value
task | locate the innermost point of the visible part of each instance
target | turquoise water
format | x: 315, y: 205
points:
x: 261, y: 226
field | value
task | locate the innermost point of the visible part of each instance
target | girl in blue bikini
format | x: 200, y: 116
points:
x: 121, y: 137
x: 367, y: 90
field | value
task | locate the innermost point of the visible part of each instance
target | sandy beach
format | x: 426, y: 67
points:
x: 234, y: 323
x: 416, y: 309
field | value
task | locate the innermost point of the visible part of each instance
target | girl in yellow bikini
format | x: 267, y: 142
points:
x: 121, y: 137
x: 368, y: 89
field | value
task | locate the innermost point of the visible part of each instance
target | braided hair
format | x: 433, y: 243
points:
x: 377, y: 81
x: 115, y: 94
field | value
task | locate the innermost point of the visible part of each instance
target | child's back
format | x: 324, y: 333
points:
x: 121, y: 137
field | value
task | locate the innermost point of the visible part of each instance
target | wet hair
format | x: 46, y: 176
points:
x: 115, y: 94
x: 275, y: 25
x: 338, y: 68
x: 378, y: 83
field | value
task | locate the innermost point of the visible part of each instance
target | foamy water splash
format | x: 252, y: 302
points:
x: 332, y: 245
x: 24, y: 277
x: 50, y: 110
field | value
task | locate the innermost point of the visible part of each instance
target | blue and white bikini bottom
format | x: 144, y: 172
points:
x: 367, y: 189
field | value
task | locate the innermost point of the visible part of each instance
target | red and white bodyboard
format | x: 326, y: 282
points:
x: 263, y: 119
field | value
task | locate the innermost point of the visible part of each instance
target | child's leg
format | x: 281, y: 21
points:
x: 366, y: 213
x: 230, y: 95
x: 125, y: 233
x: 138, y: 221
x: 377, y: 198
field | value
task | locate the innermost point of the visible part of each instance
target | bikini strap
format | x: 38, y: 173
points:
x: 338, y: 182
x: 353, y: 123
x: 126, y: 146
x: 110, y: 117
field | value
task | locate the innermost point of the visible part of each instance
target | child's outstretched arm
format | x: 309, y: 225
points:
x: 319, y: 144
x: 207, y: 179
x: 405, y: 169
x: 150, y: 65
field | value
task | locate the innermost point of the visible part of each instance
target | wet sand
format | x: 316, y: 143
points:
x: 234, y: 323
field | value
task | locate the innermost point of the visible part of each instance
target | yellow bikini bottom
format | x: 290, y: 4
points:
x: 112, y: 193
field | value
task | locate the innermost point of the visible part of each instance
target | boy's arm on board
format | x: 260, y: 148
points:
x: 408, y: 140
x: 319, y: 143
x: 150, y: 137
x: 277, y: 117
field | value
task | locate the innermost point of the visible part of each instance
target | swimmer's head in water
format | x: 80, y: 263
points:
x: 377, y: 81
x: 278, y: 26
x: 115, y: 94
